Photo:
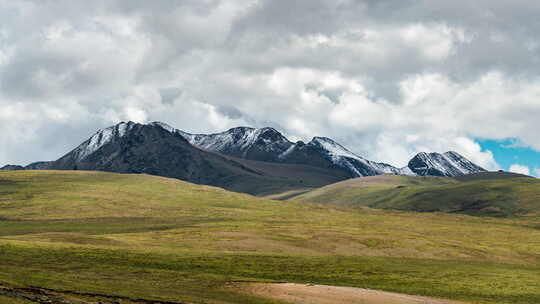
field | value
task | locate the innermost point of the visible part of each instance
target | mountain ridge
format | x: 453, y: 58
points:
x: 39, y: 165
x: 326, y: 152
x: 158, y: 149
x: 259, y: 158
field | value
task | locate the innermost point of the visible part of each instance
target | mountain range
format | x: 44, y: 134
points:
x: 269, y: 145
x: 256, y: 161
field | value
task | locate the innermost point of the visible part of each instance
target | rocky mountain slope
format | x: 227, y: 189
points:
x: 449, y: 164
x: 40, y: 165
x: 11, y: 168
x: 136, y: 148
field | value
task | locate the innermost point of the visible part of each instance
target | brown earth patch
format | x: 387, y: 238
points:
x: 323, y: 294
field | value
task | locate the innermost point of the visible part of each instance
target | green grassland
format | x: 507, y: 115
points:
x: 146, y: 237
x: 493, y: 197
x: 10, y: 300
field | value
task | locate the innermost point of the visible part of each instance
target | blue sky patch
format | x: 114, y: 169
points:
x: 510, y: 152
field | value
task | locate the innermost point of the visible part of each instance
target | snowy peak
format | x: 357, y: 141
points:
x: 164, y: 126
x: 267, y: 144
x: 333, y: 148
x: 270, y: 135
x: 250, y: 143
x: 446, y: 164
x: 101, y: 138
x: 462, y: 164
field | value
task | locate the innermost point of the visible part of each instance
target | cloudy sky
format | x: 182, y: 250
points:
x: 386, y: 78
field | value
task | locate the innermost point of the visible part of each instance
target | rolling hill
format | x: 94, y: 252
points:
x: 133, y: 238
x: 495, y: 193
x: 490, y: 175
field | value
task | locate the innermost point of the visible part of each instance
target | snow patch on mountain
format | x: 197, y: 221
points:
x: 335, y: 150
x: 165, y: 126
x: 101, y: 138
x: 406, y: 171
x: 342, y: 157
x: 239, y: 141
x: 461, y: 163
x: 445, y: 164
x: 287, y: 152
x: 243, y: 140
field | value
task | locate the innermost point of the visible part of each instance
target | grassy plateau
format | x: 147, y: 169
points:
x: 491, y: 195
x: 138, y: 238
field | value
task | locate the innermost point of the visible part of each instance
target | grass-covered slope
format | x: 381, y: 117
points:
x: 114, y: 237
x: 478, y: 196
x: 490, y: 175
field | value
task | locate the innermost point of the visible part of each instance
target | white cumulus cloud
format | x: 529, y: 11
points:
x: 521, y: 169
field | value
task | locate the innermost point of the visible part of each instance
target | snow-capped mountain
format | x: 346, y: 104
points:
x: 446, y: 164
x: 356, y: 165
x: 101, y: 138
x: 155, y: 149
x: 267, y: 144
x: 159, y: 149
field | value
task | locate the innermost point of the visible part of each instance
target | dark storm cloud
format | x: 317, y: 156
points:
x: 299, y: 17
x: 332, y: 94
x: 168, y: 95
x: 230, y: 112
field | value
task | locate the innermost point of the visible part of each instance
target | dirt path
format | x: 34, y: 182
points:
x: 322, y: 294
